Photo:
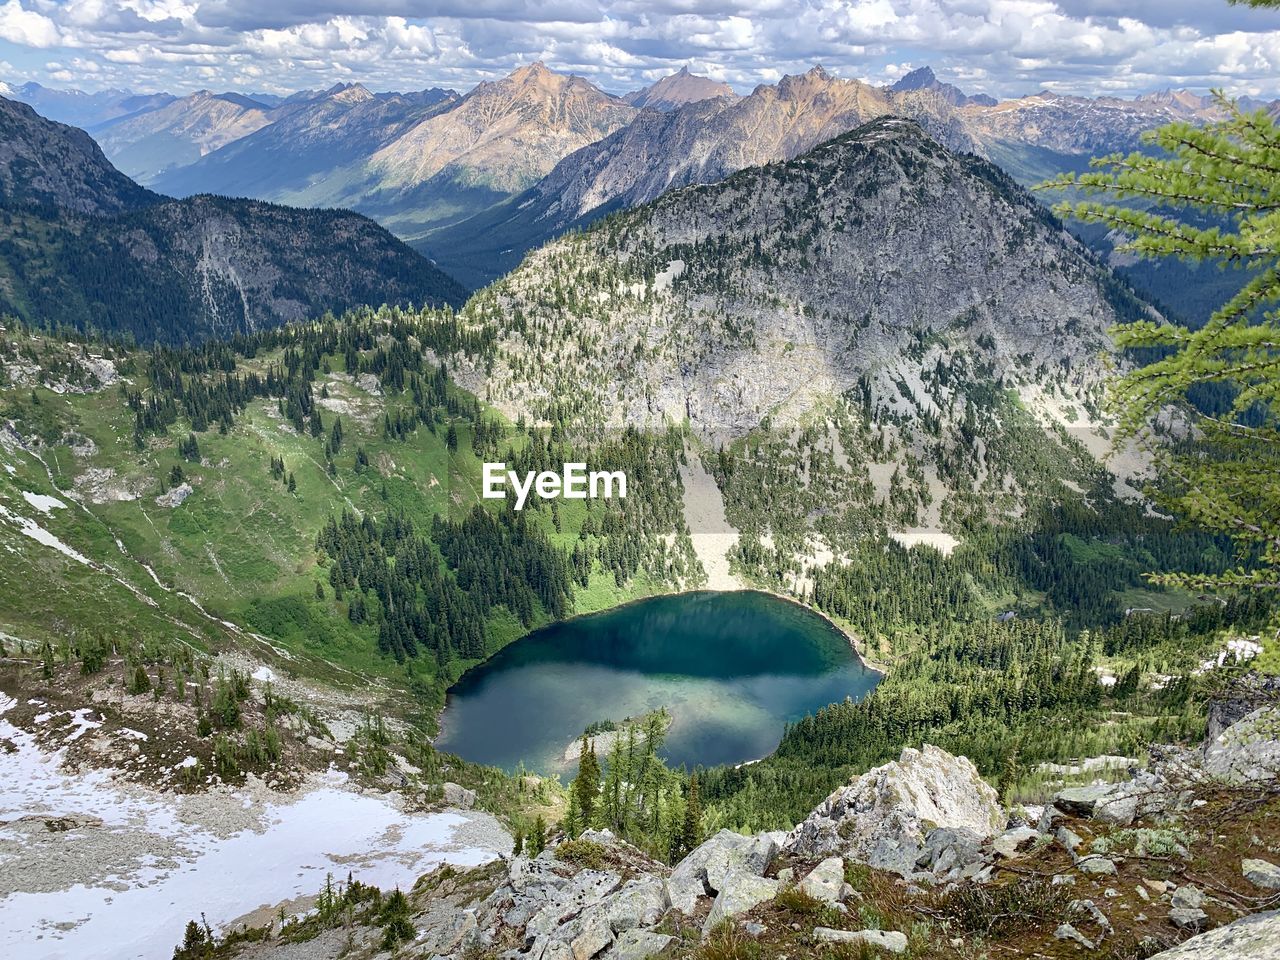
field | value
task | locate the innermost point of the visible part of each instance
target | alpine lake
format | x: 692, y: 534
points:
x: 730, y: 669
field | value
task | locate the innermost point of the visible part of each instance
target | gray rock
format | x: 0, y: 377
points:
x: 444, y: 927
x: 718, y: 856
x: 948, y: 849
x: 825, y: 882
x: 883, y: 817
x: 1248, y: 750
x: 1188, y: 895
x: 739, y: 892
x: 1187, y: 918
x: 638, y: 945
x: 890, y: 940
x: 1067, y: 932
x: 1069, y: 839
x: 1096, y: 866
x: 1110, y: 803
x: 640, y: 903
x: 1012, y: 842
x: 457, y: 796
x: 1261, y: 873
x: 754, y: 929
x: 1252, y: 938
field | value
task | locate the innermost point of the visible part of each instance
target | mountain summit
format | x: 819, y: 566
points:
x: 676, y: 90
x: 924, y: 78
x: 755, y: 297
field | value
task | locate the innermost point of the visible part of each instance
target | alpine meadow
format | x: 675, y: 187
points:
x: 634, y: 481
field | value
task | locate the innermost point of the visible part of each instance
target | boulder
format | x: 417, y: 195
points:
x: 702, y: 872
x: 1248, y: 750
x: 457, y: 796
x: 739, y: 892
x: 883, y: 817
x: 1242, y: 698
x: 1261, y: 873
x: 638, y: 945
x: 948, y: 851
x: 1252, y: 938
x: 640, y: 903
x: 825, y: 882
x: 890, y: 940
x: 1096, y: 866
x: 444, y: 927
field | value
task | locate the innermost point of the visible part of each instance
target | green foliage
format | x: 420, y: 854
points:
x: 584, y: 853
x: 1225, y: 480
x: 397, y: 927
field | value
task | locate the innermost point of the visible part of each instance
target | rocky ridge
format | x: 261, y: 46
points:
x: 597, y: 897
x: 144, y: 144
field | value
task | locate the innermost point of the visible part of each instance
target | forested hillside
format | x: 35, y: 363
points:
x: 83, y: 246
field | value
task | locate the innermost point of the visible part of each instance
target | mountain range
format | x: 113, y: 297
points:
x: 84, y: 245
x: 476, y: 180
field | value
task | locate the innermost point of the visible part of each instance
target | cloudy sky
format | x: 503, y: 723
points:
x: 1003, y: 47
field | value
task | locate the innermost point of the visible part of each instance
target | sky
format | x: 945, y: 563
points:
x: 1001, y: 47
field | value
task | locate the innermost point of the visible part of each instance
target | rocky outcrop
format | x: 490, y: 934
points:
x: 706, y: 869
x: 1246, y: 695
x: 1251, y: 938
x: 1248, y: 750
x: 887, y: 817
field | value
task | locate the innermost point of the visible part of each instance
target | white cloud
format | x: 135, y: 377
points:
x: 26, y: 27
x: 1006, y: 47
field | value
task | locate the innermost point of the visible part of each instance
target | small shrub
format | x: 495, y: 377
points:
x: 726, y: 941
x: 994, y: 910
x: 799, y: 901
x: 585, y: 853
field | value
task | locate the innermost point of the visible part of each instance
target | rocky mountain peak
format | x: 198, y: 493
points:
x: 678, y: 89
x: 350, y: 93
x: 918, y: 79
x: 923, y: 78
x: 819, y: 233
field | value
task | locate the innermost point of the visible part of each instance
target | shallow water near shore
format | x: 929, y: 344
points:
x: 731, y: 668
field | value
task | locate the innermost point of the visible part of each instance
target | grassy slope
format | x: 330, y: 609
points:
x: 241, y: 543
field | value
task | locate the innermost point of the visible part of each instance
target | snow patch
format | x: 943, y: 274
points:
x: 42, y: 502
x: 39, y: 534
x: 137, y: 865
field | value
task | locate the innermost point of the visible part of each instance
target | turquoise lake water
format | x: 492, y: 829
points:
x: 731, y: 668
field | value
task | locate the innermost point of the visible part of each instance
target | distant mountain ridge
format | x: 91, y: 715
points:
x: 145, y: 144
x: 700, y: 142
x: 413, y: 161
x: 82, y: 244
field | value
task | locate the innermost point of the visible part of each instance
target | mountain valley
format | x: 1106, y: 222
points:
x: 904, y: 640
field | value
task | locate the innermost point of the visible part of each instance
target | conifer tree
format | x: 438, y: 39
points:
x: 1228, y: 481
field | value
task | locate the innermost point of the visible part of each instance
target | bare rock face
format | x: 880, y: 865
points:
x: 884, y: 817
x: 1248, y: 749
